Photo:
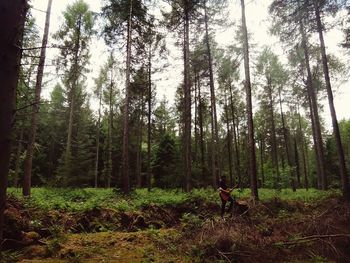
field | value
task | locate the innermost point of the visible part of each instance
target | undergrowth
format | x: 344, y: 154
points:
x: 69, y: 199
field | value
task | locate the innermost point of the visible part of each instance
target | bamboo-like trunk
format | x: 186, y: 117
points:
x: 336, y: 132
x: 251, y: 140
x: 12, y: 18
x: 35, y: 110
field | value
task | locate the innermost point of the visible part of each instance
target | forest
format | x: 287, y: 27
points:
x: 97, y: 165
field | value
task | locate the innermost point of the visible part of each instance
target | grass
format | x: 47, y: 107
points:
x: 69, y: 199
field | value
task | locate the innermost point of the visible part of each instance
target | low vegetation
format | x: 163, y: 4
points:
x: 90, y: 225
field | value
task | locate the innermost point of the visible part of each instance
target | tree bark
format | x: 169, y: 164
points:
x: 110, y: 128
x: 273, y: 132
x: 98, y: 138
x: 149, y: 131
x: 251, y: 140
x: 139, y: 144
x: 35, y: 110
x: 214, y: 121
x: 229, y: 141
x: 18, y: 157
x: 235, y: 138
x: 12, y: 17
x: 187, y: 97
x: 201, y: 130
x: 336, y: 132
x: 314, y: 110
x: 304, y: 153
x: 286, y: 142
x: 126, y: 178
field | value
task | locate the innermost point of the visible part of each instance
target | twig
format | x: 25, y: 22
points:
x: 223, y: 255
x: 310, y: 238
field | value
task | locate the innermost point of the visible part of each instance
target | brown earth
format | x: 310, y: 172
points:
x: 273, y: 231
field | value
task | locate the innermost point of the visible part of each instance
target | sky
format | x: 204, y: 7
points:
x: 166, y: 82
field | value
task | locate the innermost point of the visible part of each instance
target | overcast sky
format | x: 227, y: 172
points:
x: 258, y: 24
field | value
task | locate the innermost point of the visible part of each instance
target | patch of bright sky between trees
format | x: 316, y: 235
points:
x: 167, y: 81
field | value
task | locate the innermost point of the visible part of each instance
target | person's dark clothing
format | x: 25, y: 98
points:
x: 223, y: 185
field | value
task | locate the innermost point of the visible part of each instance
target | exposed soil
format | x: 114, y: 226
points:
x: 274, y: 231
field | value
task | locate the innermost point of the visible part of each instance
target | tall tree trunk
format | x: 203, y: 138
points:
x: 126, y: 178
x: 304, y: 152
x: 195, y: 157
x: 336, y: 132
x: 18, y: 158
x: 314, y: 108
x: 235, y: 138
x: 214, y: 121
x: 12, y: 17
x: 110, y: 131
x: 297, y: 163
x: 98, y: 139
x: 229, y: 140
x: 262, y: 161
x: 149, y: 118
x: 286, y: 142
x: 68, y: 153
x: 201, y: 131
x: 35, y: 111
x: 251, y: 140
x: 139, y: 144
x: 273, y: 132
x: 187, y: 97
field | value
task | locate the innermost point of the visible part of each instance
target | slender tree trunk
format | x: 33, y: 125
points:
x: 18, y: 158
x: 313, y: 100
x: 262, y: 161
x: 12, y: 17
x: 286, y: 142
x: 304, y: 152
x: 98, y: 138
x: 126, y: 178
x: 235, y: 139
x: 187, y: 97
x: 195, y: 158
x: 297, y: 163
x: 110, y: 131
x: 149, y: 118
x: 251, y: 140
x: 229, y: 140
x: 273, y: 133
x: 68, y: 153
x: 336, y: 132
x: 139, y: 144
x: 214, y: 121
x: 201, y: 131
x: 35, y: 110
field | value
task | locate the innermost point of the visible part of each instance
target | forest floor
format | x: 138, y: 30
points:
x: 99, y: 225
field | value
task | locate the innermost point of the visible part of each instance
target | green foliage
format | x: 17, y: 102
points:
x: 88, y: 198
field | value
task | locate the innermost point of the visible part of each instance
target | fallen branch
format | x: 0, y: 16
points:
x: 311, y: 238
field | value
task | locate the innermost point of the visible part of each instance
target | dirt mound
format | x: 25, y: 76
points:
x: 279, y: 231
